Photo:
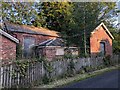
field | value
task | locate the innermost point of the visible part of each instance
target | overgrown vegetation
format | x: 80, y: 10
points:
x: 68, y: 54
x: 21, y: 69
x: 70, y: 68
x: 48, y: 70
x: 19, y: 51
x: 107, y: 60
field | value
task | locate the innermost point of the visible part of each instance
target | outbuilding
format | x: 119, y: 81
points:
x: 50, y: 49
x: 53, y: 49
x: 7, y: 46
x: 101, y: 41
x: 50, y: 43
x: 29, y: 36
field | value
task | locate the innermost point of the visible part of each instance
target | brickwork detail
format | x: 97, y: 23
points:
x: 38, y: 38
x: 7, y: 49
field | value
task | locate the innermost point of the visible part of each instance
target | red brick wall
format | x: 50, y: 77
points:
x: 38, y: 38
x: 50, y: 53
x: 7, y: 49
x: 95, y: 39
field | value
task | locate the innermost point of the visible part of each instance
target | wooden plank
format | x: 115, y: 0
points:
x: 1, y: 75
x: 4, y: 76
x: 10, y: 80
x: 7, y: 75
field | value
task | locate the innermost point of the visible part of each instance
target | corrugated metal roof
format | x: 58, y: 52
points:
x: 52, y: 42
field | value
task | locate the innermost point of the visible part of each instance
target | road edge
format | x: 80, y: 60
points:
x: 77, y: 77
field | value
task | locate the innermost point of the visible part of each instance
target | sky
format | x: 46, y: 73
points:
x: 117, y: 22
x: 118, y: 5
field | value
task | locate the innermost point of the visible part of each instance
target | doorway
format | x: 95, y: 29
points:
x: 102, y: 48
x: 28, y: 43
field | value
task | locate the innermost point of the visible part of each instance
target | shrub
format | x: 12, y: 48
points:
x: 48, y: 70
x: 82, y: 71
x: 107, y: 60
x: 87, y: 68
x: 71, y: 68
x: 68, y: 56
x: 21, y: 68
x: 46, y: 79
x: 19, y: 51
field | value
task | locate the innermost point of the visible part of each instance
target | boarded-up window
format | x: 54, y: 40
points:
x: 28, y: 43
x: 60, y: 51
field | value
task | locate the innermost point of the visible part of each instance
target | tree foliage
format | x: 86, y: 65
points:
x: 87, y: 15
x: 54, y: 15
x: 74, y: 20
x: 18, y: 12
x: 116, y: 43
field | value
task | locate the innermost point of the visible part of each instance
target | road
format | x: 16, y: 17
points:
x: 105, y: 80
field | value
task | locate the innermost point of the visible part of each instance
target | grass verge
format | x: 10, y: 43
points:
x: 78, y: 77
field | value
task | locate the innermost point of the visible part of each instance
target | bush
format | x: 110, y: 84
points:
x: 87, y: 68
x: 19, y: 51
x: 46, y: 79
x: 82, y: 71
x: 107, y: 60
x: 71, y: 68
x: 68, y: 56
x: 48, y: 70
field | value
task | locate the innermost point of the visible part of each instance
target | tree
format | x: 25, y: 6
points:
x: 116, y: 43
x: 113, y: 26
x: 87, y: 15
x: 55, y: 15
x: 18, y: 12
x: 74, y: 20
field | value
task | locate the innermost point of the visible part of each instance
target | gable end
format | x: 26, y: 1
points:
x: 105, y: 28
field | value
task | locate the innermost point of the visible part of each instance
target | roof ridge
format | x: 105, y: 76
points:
x: 51, y: 41
x: 45, y: 41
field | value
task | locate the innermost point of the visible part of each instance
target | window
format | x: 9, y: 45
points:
x: 60, y: 51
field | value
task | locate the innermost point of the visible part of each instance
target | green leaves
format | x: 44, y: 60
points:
x: 74, y: 20
x: 18, y: 12
x: 53, y: 15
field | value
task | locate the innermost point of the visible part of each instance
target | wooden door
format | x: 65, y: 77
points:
x: 102, y: 48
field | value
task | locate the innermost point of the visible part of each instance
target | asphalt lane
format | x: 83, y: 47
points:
x: 106, y: 80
